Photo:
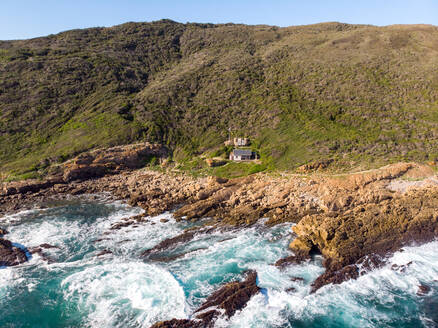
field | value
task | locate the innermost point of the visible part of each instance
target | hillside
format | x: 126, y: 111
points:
x: 361, y: 95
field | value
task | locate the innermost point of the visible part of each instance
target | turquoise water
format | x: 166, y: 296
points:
x: 78, y: 289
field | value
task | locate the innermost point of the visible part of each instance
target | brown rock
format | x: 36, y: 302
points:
x: 293, y: 259
x: 11, y: 255
x: 231, y: 297
x: 423, y: 290
x: 104, y: 252
x: 177, y: 323
x: 170, y: 242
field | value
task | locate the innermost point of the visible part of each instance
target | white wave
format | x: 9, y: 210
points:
x: 373, y: 300
x: 117, y: 291
x: 121, y: 294
x: 51, y: 227
x: 140, y: 236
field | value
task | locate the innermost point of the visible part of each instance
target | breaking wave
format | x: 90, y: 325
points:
x: 96, y: 277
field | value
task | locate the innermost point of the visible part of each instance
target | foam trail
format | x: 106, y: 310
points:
x: 121, y: 289
x: 119, y: 294
x: 386, y: 297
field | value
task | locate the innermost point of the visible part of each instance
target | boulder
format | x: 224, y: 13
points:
x: 228, y: 299
x: 11, y: 255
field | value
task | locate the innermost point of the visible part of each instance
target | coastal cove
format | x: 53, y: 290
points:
x: 220, y: 175
x: 106, y: 242
x: 97, y: 276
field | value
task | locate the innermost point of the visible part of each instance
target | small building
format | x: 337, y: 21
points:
x: 237, y: 142
x: 242, y: 155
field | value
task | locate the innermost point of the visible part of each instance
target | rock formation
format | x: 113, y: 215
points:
x: 363, y: 221
x: 228, y: 299
x: 353, y: 220
x: 11, y: 255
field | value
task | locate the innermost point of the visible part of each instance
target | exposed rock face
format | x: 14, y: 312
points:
x: 228, y: 299
x: 28, y: 186
x: 213, y: 162
x: 11, y: 255
x: 373, y: 221
x: 99, y: 162
x: 91, y: 165
x: 351, y: 219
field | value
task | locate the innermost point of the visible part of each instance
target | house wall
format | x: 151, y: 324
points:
x: 241, y: 157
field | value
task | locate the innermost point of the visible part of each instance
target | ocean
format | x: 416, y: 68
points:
x: 74, y: 287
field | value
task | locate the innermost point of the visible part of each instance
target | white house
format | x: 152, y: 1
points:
x: 242, y: 155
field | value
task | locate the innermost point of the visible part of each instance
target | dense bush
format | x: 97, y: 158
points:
x: 354, y: 93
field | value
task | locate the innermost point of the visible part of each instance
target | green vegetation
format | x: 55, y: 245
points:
x: 356, y: 94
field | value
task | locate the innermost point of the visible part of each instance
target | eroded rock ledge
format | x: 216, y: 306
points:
x: 365, y: 221
x: 354, y: 220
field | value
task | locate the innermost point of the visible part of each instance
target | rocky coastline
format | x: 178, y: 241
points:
x: 353, y: 220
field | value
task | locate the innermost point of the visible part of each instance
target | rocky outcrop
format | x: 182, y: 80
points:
x: 372, y: 223
x: 28, y: 186
x: 99, y: 162
x: 11, y: 255
x: 231, y: 297
x: 225, y: 301
x: 348, y: 218
x: 90, y: 165
x: 170, y: 242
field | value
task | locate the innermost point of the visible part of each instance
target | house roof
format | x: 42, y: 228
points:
x: 242, y: 152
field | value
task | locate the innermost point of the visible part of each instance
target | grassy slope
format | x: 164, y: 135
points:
x: 357, y: 94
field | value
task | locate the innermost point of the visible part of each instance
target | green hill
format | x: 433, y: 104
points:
x: 351, y: 93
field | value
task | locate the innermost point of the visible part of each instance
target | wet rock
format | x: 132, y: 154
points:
x: 120, y: 225
x: 104, y: 252
x: 228, y: 299
x: 170, y: 242
x: 3, y: 232
x: 233, y: 296
x: 335, y: 277
x: 177, y: 323
x: 47, y: 246
x: 401, y: 268
x: 11, y: 255
x: 295, y: 279
x: 423, y: 290
x: 293, y: 259
x: 336, y: 274
x: 379, y: 226
x: 169, y: 258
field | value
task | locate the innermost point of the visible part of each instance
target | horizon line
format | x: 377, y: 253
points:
x: 209, y: 23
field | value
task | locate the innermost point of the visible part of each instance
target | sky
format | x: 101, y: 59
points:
x: 21, y: 19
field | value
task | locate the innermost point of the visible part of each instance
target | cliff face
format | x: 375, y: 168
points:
x: 368, y: 215
x: 351, y: 93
